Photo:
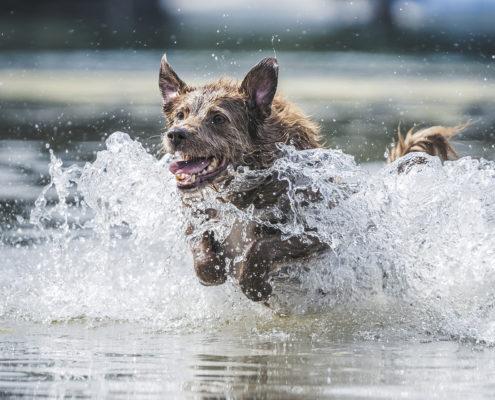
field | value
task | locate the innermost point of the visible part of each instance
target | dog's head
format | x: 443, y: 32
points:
x: 216, y: 125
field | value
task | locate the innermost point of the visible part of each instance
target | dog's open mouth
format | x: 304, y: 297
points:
x: 195, y: 172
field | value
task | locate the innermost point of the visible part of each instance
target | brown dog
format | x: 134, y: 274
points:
x: 224, y: 125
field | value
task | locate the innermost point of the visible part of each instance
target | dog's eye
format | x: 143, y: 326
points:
x: 218, y: 119
x: 180, y: 115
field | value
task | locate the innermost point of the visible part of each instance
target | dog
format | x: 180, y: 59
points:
x: 226, y: 125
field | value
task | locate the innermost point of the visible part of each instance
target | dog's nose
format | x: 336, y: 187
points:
x: 177, y: 135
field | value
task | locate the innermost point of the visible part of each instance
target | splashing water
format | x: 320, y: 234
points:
x: 411, y: 252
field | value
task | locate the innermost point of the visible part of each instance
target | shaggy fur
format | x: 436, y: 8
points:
x: 231, y: 124
x: 256, y: 122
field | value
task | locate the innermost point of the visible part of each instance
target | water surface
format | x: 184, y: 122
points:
x: 99, y: 298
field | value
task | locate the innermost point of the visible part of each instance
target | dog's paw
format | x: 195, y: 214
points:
x: 209, y: 264
x: 256, y: 289
x: 210, y: 272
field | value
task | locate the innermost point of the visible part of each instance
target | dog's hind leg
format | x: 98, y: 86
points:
x: 433, y: 141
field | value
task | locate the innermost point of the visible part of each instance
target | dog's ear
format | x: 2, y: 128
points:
x: 169, y: 83
x: 260, y: 85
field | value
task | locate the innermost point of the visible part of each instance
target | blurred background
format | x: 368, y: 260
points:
x: 74, y: 71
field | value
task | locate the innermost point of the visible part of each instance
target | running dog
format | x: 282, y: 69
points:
x: 225, y: 125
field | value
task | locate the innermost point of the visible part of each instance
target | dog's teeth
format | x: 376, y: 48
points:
x: 213, y: 163
x: 193, y: 178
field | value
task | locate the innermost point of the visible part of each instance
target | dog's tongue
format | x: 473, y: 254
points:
x: 188, y: 167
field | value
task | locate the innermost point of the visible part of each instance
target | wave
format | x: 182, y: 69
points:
x: 411, y: 253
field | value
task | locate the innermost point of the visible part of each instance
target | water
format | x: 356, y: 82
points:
x: 126, y: 361
x: 105, y: 302
x: 98, y: 294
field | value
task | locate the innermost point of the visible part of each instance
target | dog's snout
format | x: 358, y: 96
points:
x: 177, y: 135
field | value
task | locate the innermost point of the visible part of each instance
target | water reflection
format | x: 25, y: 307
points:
x: 338, y: 370
x: 124, y: 361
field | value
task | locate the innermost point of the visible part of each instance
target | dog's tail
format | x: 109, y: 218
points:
x: 433, y: 141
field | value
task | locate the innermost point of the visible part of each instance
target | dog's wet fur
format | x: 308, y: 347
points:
x: 226, y: 124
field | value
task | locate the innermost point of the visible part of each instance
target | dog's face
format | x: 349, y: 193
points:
x: 216, y: 125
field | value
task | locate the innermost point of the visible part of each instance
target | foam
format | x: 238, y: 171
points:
x: 409, y: 252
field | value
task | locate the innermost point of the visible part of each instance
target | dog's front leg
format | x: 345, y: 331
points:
x: 209, y: 261
x: 262, y: 257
